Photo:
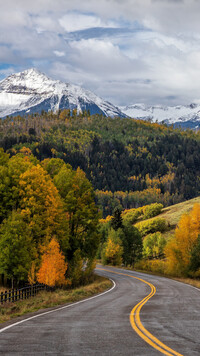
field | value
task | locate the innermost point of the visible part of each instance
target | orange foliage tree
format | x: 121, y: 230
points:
x: 178, y: 250
x: 53, y: 266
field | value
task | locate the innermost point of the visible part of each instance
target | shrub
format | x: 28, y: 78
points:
x: 131, y: 216
x: 152, y: 210
x: 151, y: 226
x: 156, y: 266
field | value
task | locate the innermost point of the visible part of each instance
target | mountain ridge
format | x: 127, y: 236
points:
x: 31, y: 91
x: 179, y: 115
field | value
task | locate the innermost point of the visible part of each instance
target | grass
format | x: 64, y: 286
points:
x: 46, y: 299
x: 192, y: 282
x: 173, y: 213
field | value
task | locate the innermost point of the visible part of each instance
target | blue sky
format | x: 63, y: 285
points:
x: 130, y: 51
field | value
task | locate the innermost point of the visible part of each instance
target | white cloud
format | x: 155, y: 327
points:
x: 75, y: 22
x: 59, y: 53
x: 135, y: 65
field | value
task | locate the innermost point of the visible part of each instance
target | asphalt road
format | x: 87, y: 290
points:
x: 168, y: 320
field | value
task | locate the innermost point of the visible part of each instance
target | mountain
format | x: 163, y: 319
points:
x: 32, y: 91
x: 184, y: 116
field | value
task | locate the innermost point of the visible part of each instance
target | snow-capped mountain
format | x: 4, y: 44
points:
x: 184, y: 116
x: 32, y: 91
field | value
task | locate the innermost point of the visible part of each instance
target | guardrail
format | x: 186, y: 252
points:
x: 13, y: 295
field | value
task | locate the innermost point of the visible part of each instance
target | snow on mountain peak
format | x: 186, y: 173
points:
x: 32, y: 91
x: 183, y: 115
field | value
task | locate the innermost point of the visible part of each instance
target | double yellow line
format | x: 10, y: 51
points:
x: 136, y: 322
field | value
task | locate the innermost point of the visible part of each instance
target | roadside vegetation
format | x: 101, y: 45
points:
x: 48, y: 222
x: 170, y: 239
x: 52, y: 299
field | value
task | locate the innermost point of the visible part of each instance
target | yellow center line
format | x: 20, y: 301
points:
x: 136, y: 322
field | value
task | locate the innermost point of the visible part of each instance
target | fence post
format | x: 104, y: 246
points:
x: 1, y: 297
x: 6, y: 296
x: 13, y: 295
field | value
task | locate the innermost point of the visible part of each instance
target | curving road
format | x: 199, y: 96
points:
x: 142, y: 315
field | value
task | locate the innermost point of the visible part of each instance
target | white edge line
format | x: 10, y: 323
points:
x: 57, y: 309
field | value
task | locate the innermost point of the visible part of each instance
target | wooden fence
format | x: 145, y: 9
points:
x: 13, y: 295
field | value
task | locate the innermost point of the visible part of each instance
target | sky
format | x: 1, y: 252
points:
x: 126, y: 51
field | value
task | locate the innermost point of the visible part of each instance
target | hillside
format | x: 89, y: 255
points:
x: 173, y: 213
x: 129, y: 162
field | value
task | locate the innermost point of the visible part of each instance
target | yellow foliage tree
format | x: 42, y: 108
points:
x: 53, y: 266
x: 178, y: 250
x: 113, y: 249
x: 41, y: 206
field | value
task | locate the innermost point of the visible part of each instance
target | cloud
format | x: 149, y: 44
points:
x: 59, y: 53
x: 74, y: 21
x: 126, y: 51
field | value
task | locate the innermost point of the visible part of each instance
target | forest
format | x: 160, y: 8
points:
x: 75, y: 187
x: 130, y: 163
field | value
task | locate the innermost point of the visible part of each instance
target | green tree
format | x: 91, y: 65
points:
x: 194, y: 265
x: 116, y: 221
x: 82, y: 213
x: 153, y: 245
x: 132, y: 244
x: 17, y: 249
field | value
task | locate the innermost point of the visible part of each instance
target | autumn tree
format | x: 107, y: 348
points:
x: 10, y: 171
x: 179, y: 249
x: 53, y: 265
x: 112, y: 250
x: 41, y: 207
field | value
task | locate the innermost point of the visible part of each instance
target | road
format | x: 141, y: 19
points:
x: 143, y: 315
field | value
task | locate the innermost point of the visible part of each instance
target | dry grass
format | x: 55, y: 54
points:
x: 192, y: 282
x: 2, y: 289
x: 50, y: 299
x: 173, y: 213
